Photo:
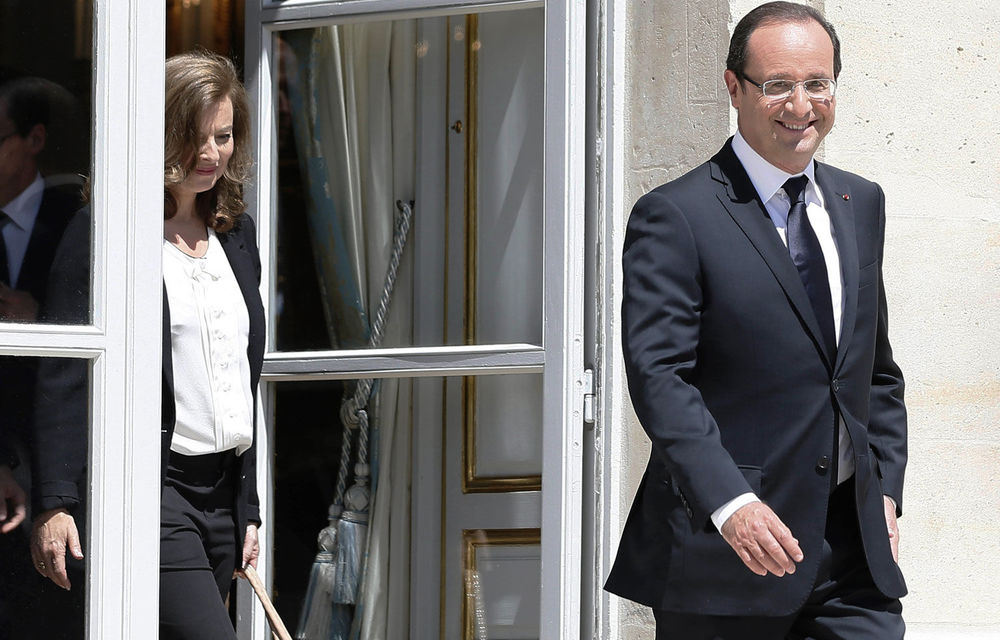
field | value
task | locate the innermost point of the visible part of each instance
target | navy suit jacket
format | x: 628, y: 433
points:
x: 62, y: 399
x: 729, y: 379
x: 17, y: 374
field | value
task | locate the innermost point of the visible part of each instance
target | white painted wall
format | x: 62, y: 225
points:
x: 917, y: 112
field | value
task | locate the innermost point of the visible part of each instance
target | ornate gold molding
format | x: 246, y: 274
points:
x: 471, y: 482
x: 473, y: 616
x: 471, y: 176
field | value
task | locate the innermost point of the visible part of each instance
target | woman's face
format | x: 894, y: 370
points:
x: 216, y: 147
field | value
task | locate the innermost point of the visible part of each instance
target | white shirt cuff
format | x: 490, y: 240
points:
x: 720, y: 515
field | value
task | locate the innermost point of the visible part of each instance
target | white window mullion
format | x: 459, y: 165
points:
x: 262, y: 198
x: 304, y: 11
x: 408, y: 361
x: 562, y: 442
x: 127, y: 205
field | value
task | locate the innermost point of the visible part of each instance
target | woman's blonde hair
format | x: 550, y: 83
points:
x: 195, y: 82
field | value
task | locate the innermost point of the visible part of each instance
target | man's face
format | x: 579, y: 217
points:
x: 785, y: 132
x: 17, y: 156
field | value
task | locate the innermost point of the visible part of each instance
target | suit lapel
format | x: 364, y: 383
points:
x: 838, y: 205
x: 53, y: 216
x: 239, y: 260
x: 167, y: 355
x: 245, y: 269
x: 745, y: 207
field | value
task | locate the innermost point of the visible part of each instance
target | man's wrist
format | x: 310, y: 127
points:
x: 720, y: 515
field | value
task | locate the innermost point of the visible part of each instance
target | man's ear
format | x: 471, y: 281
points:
x: 36, y: 138
x: 733, y: 86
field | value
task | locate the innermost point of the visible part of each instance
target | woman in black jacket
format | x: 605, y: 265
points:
x: 213, y: 348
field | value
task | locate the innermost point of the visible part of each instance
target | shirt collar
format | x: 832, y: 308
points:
x: 768, y: 179
x: 23, y: 209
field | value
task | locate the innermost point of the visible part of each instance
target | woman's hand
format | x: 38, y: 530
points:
x: 251, y: 549
x: 53, y: 533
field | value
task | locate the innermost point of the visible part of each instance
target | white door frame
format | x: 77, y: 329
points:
x: 122, y: 547
x: 562, y: 441
x: 563, y: 337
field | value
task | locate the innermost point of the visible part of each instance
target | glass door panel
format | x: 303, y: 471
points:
x: 463, y: 123
x: 403, y: 442
x: 357, y: 105
x: 43, y: 482
x: 46, y: 267
x: 45, y: 149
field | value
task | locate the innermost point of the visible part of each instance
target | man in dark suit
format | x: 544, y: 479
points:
x: 33, y: 219
x: 758, y: 362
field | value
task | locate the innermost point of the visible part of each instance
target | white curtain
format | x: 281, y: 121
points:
x: 352, y: 96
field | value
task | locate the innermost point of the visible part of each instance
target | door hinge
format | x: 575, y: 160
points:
x: 588, y: 396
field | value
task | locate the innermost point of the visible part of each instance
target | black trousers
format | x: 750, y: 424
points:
x: 198, y: 547
x: 844, y: 604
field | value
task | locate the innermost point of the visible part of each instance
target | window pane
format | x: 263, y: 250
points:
x: 45, y: 116
x: 412, y: 530
x: 502, y: 583
x: 443, y: 114
x: 503, y: 433
x: 43, y: 459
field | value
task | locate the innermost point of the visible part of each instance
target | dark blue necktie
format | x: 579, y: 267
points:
x: 803, y: 246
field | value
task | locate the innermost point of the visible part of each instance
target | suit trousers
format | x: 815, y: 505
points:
x: 198, y: 546
x: 844, y: 603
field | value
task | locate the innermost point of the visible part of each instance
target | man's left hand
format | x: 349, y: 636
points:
x: 251, y: 549
x: 17, y: 306
x: 892, y: 526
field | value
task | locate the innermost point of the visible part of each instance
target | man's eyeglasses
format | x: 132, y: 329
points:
x: 816, y: 88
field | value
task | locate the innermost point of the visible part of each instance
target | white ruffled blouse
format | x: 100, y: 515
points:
x: 209, y: 329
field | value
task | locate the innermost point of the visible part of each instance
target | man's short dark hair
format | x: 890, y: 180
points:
x: 27, y: 103
x: 773, y: 13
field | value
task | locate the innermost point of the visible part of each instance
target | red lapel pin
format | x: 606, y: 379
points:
x: 846, y: 196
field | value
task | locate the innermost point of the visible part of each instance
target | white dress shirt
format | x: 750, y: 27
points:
x: 768, y: 180
x: 22, y: 211
x: 209, y: 329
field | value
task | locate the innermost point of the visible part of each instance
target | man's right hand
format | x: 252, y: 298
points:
x: 12, y: 501
x: 761, y: 540
x: 53, y: 533
x: 16, y: 305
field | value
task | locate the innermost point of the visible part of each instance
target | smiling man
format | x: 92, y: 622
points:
x: 758, y: 361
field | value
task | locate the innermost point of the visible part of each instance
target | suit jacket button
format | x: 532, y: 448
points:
x: 835, y: 385
x: 823, y: 465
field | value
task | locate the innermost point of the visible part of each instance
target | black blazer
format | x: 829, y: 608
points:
x: 240, y: 245
x: 729, y: 378
x: 62, y: 399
